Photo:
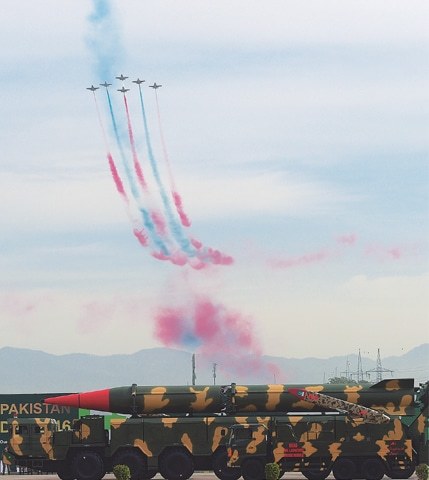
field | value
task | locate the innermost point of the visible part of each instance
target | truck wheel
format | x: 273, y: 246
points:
x: 88, y: 466
x: 403, y: 474
x: 64, y: 471
x: 314, y: 473
x: 134, y: 461
x: 176, y: 465
x: 344, y: 469
x: 220, y: 467
x: 253, y: 469
x: 373, y: 469
x: 149, y: 474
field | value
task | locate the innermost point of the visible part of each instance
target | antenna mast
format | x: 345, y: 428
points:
x: 194, y: 377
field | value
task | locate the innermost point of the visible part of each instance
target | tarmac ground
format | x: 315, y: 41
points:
x: 195, y: 476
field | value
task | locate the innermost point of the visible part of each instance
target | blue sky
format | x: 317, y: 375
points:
x: 289, y: 126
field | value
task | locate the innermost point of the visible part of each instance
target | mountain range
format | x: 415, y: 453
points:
x: 32, y: 371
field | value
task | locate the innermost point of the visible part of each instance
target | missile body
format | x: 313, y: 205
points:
x: 393, y: 397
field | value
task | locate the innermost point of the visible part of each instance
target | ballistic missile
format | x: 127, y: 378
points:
x: 393, y: 397
x: 369, y: 415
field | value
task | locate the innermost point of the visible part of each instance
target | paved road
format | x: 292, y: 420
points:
x: 196, y: 476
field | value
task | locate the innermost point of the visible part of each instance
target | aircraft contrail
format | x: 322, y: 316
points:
x: 176, y: 197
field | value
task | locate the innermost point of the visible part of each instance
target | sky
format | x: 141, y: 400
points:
x: 295, y: 135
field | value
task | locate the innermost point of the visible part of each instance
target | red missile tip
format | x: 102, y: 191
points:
x: 97, y: 400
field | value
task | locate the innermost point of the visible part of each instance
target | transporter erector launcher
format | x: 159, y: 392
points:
x: 393, y: 397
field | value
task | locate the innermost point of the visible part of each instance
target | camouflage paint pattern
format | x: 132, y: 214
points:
x: 312, y: 443
x: 393, y: 397
x: 299, y: 441
x: 200, y: 436
x: 317, y: 441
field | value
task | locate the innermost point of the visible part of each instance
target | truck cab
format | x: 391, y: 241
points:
x: 31, y: 437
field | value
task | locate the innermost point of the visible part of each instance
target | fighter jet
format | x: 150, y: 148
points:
x: 121, y: 78
x: 92, y: 88
x: 155, y: 86
x: 138, y: 81
x: 123, y: 90
x: 105, y: 84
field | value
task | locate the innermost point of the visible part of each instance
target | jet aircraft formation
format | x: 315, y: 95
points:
x: 147, y: 187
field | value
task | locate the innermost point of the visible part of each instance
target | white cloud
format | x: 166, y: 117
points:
x: 77, y: 322
x: 41, y: 203
x: 277, y: 21
x: 319, y: 316
x: 249, y: 195
x: 46, y: 203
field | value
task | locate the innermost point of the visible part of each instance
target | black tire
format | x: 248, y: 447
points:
x: 176, y: 465
x: 402, y: 474
x: 135, y: 461
x: 315, y: 473
x: 64, y: 471
x: 344, y: 469
x: 220, y: 467
x: 373, y: 469
x: 88, y: 466
x: 253, y: 469
x: 149, y: 474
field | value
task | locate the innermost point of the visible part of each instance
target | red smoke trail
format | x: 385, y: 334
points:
x: 208, y: 328
x: 349, y: 239
x: 179, y: 207
x: 158, y: 221
x: 139, y: 233
x: 299, y: 261
x: 112, y: 166
x: 116, y: 177
x: 137, y: 166
x: 383, y: 253
x: 184, y: 219
x: 196, y: 243
x: 141, y: 236
x: 215, y: 257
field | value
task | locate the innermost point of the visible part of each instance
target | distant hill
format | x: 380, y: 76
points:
x: 31, y: 371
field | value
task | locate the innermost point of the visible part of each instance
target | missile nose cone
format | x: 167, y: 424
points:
x: 97, y: 400
x: 64, y: 400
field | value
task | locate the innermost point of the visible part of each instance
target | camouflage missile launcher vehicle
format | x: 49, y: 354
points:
x: 176, y: 430
x: 347, y: 445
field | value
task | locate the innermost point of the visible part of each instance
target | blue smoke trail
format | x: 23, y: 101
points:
x: 175, y: 227
x: 104, y: 39
x: 147, y: 222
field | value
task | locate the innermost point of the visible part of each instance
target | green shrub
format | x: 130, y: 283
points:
x: 122, y: 472
x: 422, y: 471
x: 272, y: 471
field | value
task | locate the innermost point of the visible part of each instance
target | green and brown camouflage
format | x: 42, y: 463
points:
x: 317, y: 444
x: 393, y: 397
x: 147, y: 445
x: 176, y: 445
